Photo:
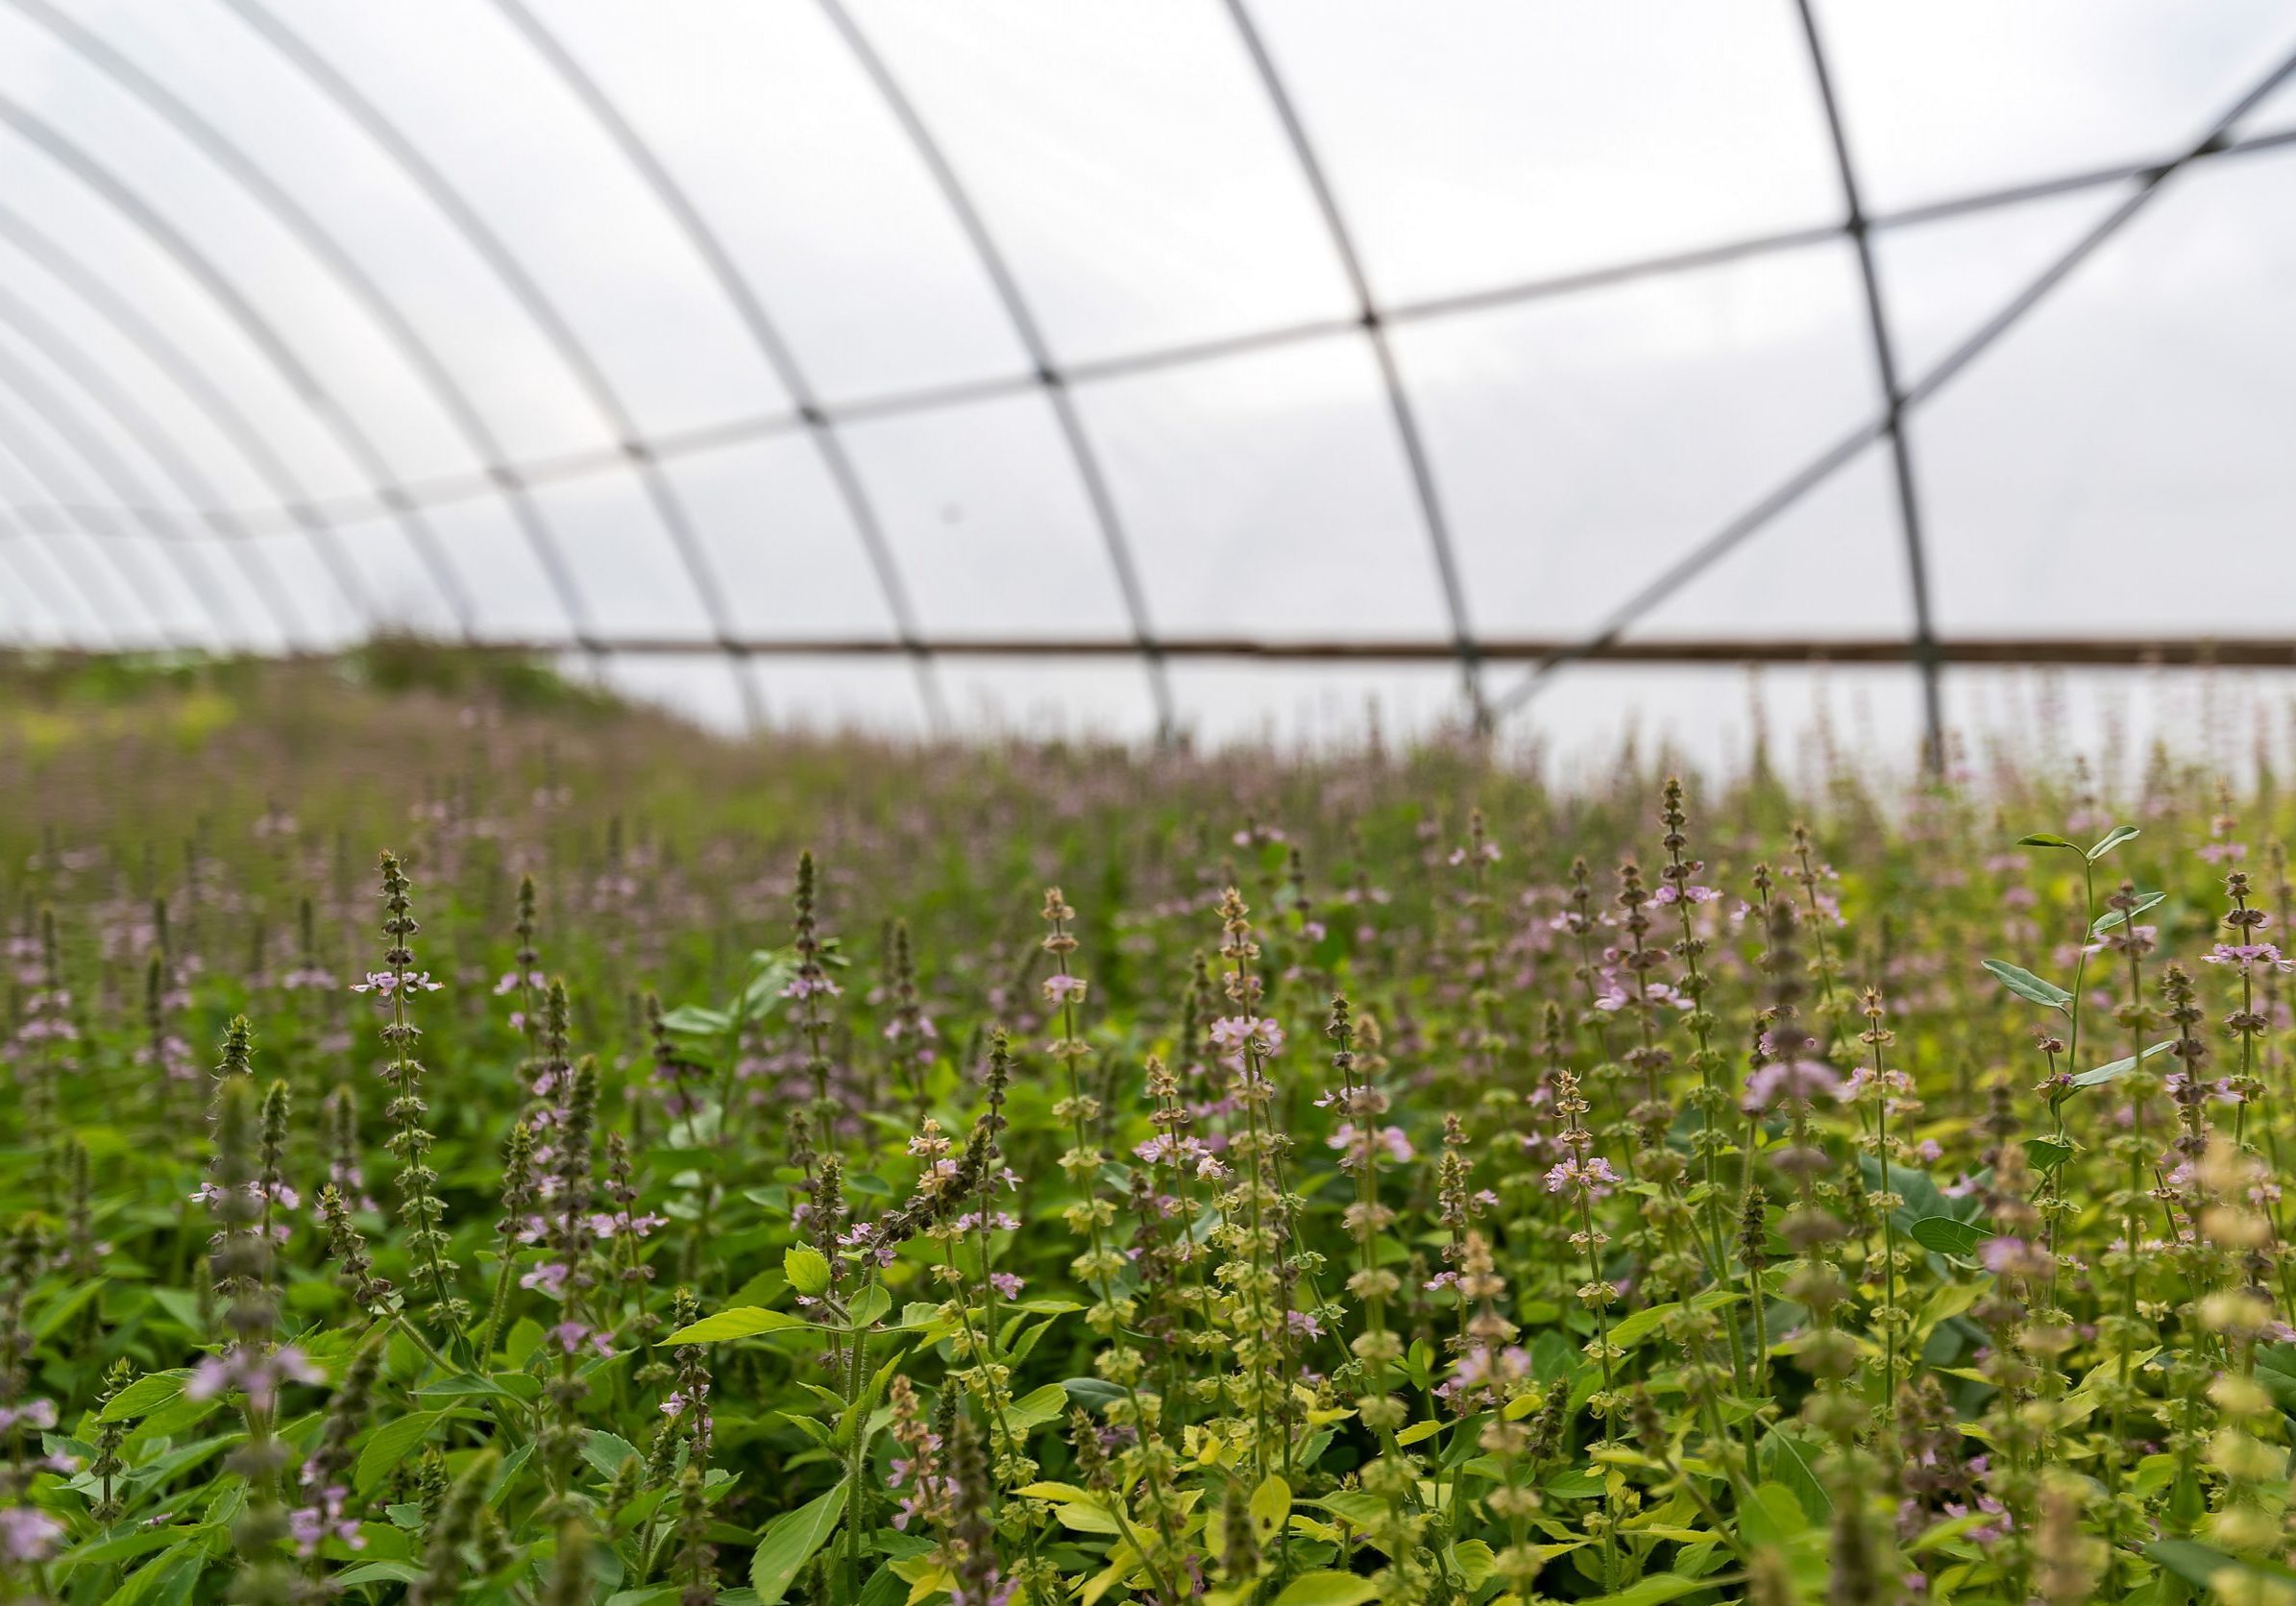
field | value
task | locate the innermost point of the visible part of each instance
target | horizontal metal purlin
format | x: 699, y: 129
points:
x: 447, y: 489
x: 2007, y: 651
x: 1943, y: 371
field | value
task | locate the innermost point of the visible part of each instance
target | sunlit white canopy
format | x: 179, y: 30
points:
x: 1195, y: 363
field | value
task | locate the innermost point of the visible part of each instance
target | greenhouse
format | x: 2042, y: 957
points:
x: 1273, y: 802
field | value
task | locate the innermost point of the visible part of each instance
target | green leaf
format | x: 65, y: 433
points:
x: 1096, y: 1394
x: 1788, y: 1461
x: 2047, y: 1153
x: 158, y: 1574
x: 1271, y: 1501
x: 790, y: 1544
x: 1651, y: 1592
x: 1325, y: 1588
x: 376, y: 1572
x: 649, y: 1595
x: 2102, y: 1074
x: 1034, y: 1410
x: 743, y: 1323
x: 1473, y: 1559
x: 774, y: 971
x: 1947, y: 1236
x: 1772, y: 1517
x: 512, y: 1385
x: 2027, y: 985
x: 607, y: 1451
x: 144, y: 1395
x: 1918, y: 1189
x: 808, y: 1270
x: 697, y: 1021
x: 56, y: 1312
x: 2115, y: 917
x: 2110, y: 840
x: 2276, y: 1370
x: 1355, y: 1507
x: 1632, y: 1329
x: 2198, y: 1564
x: 870, y: 1304
x: 2045, y: 839
x: 393, y: 1442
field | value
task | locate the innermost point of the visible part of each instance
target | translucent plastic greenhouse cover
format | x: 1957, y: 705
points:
x: 1208, y: 364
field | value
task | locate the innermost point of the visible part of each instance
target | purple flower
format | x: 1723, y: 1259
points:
x: 549, y: 1278
x: 1360, y: 1143
x: 573, y: 1336
x: 27, y: 1535
x: 384, y: 982
x: 1789, y: 1079
x: 36, y: 1413
x: 1233, y: 1033
x: 249, y: 1372
x: 1006, y: 1284
x: 1588, y: 1179
x: 675, y: 1401
x: 2247, y: 957
x: 323, y: 1520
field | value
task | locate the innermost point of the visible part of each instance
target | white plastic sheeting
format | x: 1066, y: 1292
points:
x: 322, y: 317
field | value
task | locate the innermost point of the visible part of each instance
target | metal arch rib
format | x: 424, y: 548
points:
x: 1398, y: 400
x: 292, y: 509
x: 91, y: 289
x: 12, y: 535
x: 397, y: 328
x: 131, y: 415
x: 1023, y: 320
x: 89, y: 446
x: 1893, y: 402
x: 523, y: 288
x: 1830, y: 461
x: 71, y: 579
x: 42, y: 469
x: 763, y: 334
x: 107, y: 184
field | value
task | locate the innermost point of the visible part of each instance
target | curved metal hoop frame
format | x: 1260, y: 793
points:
x: 819, y: 421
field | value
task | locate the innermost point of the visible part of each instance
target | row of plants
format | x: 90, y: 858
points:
x: 459, y: 1150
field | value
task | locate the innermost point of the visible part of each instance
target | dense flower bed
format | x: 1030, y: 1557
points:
x: 472, y: 1146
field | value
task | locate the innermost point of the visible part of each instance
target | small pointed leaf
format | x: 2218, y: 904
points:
x: 790, y: 1543
x: 2110, y: 840
x: 2113, y: 917
x: 1326, y: 1588
x: 807, y: 1268
x: 2027, y: 985
x: 1947, y: 1236
x: 743, y: 1322
x: 2047, y: 1153
x: 2120, y: 1067
x: 2045, y: 839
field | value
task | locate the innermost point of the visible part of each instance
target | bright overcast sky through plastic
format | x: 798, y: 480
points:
x: 780, y: 329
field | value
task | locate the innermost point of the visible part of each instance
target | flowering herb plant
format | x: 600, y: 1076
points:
x: 826, y: 1173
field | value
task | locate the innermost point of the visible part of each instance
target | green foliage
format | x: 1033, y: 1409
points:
x: 891, y: 1231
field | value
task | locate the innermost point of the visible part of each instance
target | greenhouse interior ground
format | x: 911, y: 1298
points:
x: 1266, y: 802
